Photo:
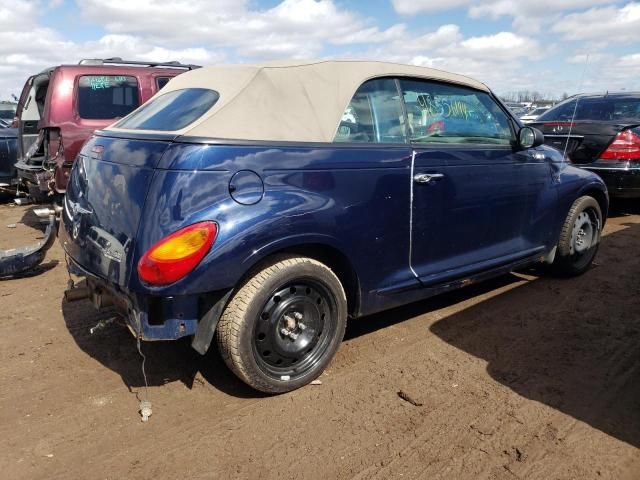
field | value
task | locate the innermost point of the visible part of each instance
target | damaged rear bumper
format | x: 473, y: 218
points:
x: 153, y: 318
x: 18, y: 260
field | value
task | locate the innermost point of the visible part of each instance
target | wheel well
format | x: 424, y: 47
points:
x: 336, y: 261
x: 601, y: 198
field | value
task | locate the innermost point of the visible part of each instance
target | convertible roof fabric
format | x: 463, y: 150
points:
x: 286, y: 101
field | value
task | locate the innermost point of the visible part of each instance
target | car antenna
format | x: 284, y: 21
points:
x: 575, y: 108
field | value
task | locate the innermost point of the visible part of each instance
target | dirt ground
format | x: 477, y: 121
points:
x: 524, y: 377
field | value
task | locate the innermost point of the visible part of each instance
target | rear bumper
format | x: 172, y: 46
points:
x: 622, y: 182
x: 28, y: 171
x: 39, y: 178
x: 150, y: 318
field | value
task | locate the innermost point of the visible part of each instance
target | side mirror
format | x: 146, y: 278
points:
x: 529, y: 137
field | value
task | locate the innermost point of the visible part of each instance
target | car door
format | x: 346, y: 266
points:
x: 373, y: 158
x: 478, y: 201
x: 28, y: 117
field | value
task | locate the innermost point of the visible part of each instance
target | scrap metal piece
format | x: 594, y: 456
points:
x: 101, y: 324
x: 18, y: 260
x: 145, y: 410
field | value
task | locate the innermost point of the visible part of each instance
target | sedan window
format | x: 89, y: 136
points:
x: 595, y: 108
x: 442, y: 113
x: 374, y: 115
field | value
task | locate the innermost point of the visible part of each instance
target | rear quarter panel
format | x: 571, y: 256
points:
x: 355, y: 200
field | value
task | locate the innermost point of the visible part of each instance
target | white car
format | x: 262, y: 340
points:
x: 533, y: 115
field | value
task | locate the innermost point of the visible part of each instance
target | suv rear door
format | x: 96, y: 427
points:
x: 30, y: 111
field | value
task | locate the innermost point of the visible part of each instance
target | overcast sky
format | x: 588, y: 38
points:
x: 508, y: 44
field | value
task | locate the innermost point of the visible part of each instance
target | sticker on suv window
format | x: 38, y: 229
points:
x: 97, y: 83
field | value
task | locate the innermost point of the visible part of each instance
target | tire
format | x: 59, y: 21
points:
x: 579, y: 238
x: 284, y: 325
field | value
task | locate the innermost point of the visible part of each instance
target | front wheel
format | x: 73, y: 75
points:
x: 284, y: 325
x: 579, y: 238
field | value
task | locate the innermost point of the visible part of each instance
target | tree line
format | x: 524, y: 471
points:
x: 532, y: 96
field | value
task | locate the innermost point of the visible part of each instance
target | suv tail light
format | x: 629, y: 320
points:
x: 177, y: 254
x: 54, y: 147
x: 626, y: 146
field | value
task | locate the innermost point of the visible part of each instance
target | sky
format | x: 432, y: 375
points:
x: 550, y: 46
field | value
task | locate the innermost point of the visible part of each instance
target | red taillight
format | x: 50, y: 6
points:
x: 626, y: 146
x: 177, y: 254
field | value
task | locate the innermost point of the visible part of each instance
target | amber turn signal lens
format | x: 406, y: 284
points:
x: 177, y: 254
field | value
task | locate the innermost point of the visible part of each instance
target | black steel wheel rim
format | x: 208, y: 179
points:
x: 294, y: 329
x: 585, y: 236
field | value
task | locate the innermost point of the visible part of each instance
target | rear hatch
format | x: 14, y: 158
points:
x: 104, y: 202
x: 110, y: 181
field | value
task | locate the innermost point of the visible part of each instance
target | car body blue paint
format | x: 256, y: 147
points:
x: 494, y: 208
x: 246, y: 187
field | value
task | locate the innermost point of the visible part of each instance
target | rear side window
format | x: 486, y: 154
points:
x: 374, y: 115
x: 102, y: 97
x: 162, y: 81
x: 443, y: 113
x: 599, y: 108
x: 171, y: 111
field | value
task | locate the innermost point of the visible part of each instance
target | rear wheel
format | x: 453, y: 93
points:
x: 579, y: 238
x: 284, y: 325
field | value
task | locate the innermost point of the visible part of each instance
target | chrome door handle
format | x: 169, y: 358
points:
x: 424, y: 178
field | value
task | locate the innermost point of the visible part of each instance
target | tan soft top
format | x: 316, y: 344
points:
x: 292, y: 101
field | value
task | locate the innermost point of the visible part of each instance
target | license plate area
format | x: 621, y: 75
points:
x: 564, y: 142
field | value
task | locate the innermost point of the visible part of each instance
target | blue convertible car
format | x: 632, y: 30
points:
x: 263, y: 205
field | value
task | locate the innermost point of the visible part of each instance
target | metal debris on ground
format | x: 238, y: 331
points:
x: 101, y: 324
x: 407, y: 398
x: 316, y: 382
x: 145, y: 410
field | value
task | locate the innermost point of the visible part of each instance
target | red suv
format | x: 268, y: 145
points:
x: 61, y: 106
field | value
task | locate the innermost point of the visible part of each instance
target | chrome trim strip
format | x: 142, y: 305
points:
x: 624, y: 169
x: 413, y: 161
x: 562, y: 136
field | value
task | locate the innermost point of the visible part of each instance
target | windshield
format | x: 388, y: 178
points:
x: 595, y: 108
x: 171, y: 111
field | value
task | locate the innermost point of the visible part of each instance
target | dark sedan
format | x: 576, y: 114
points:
x: 601, y: 133
x: 8, y: 145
